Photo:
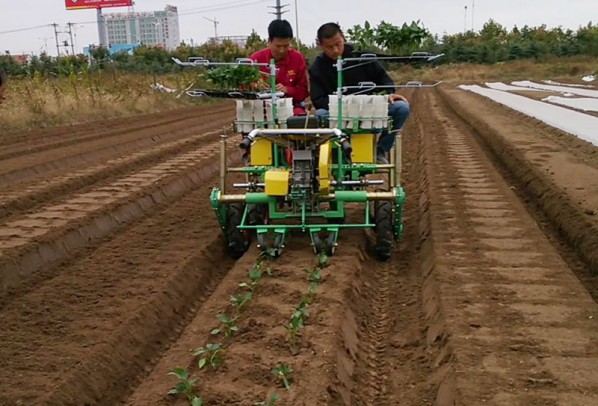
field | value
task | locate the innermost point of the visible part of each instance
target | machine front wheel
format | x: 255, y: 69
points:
x: 237, y: 240
x: 383, y: 229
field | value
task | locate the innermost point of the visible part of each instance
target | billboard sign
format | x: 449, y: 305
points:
x: 82, y: 4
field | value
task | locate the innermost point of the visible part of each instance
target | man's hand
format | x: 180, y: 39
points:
x: 281, y: 88
x: 393, y: 97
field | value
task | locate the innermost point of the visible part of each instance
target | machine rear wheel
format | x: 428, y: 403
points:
x: 383, y: 229
x: 237, y: 240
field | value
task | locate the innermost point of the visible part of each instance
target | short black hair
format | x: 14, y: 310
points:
x: 280, y: 29
x: 3, y: 77
x: 328, y: 30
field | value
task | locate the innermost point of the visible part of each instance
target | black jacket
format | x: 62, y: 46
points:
x: 323, y: 77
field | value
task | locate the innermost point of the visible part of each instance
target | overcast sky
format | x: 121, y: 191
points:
x: 241, y: 16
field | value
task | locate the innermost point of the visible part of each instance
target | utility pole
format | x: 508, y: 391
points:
x: 297, y: 24
x: 70, y: 25
x: 472, y: 15
x: 465, y: 21
x: 279, y: 11
x: 56, y: 38
x: 216, y: 22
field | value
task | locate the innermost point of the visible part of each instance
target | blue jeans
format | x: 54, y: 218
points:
x: 398, y: 111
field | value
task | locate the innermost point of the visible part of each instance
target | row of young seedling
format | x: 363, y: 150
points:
x: 298, y: 320
x: 212, y: 354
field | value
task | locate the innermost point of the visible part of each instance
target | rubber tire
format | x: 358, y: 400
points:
x: 237, y: 241
x: 383, y: 229
x: 317, y: 244
x: 330, y: 247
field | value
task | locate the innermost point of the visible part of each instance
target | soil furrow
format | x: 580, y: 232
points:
x: 25, y: 196
x: 39, y: 239
x: 37, y: 141
x: 558, y: 172
x: 516, y: 314
x: 88, y: 334
x: 48, y: 162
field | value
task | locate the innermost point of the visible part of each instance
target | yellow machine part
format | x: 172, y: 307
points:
x: 325, y: 167
x: 277, y: 182
x: 363, y: 148
x: 261, y: 152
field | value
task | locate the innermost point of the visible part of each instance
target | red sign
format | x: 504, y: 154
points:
x: 79, y: 4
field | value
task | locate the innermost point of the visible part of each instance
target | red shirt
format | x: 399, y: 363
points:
x: 291, y: 72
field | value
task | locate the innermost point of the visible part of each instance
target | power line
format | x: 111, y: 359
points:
x: 25, y: 29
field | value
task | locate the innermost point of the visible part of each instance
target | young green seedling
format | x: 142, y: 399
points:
x: 255, y: 273
x: 185, y: 386
x: 270, y: 402
x: 249, y: 286
x: 322, y: 260
x: 283, y: 374
x: 307, y: 298
x: 314, y: 275
x: 293, y: 327
x: 212, y: 355
x: 301, y: 312
x: 239, y: 300
x: 229, y: 325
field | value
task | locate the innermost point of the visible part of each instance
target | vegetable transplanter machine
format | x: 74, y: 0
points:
x: 304, y: 172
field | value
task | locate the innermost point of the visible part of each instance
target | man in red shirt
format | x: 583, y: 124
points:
x: 291, y: 75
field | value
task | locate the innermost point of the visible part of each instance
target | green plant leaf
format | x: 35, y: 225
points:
x: 180, y: 373
x: 202, y: 363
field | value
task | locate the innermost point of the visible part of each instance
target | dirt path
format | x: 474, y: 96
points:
x: 113, y: 271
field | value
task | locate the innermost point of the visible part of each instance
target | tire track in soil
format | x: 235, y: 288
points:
x: 521, y: 329
x: 47, y: 162
x: 87, y: 335
x: 392, y: 365
x: 52, y: 138
x: 37, y: 240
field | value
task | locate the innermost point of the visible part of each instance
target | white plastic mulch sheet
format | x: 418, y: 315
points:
x: 561, y: 89
x: 552, y: 82
x: 584, y: 126
x: 506, y: 88
x: 581, y: 103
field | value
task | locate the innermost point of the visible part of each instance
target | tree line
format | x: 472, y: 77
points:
x: 493, y: 43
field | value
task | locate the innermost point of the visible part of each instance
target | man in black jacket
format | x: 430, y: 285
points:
x: 323, y: 82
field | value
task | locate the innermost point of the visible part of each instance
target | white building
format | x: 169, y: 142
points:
x: 153, y: 28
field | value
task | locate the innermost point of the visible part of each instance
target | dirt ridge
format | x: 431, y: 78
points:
x: 41, y: 253
x: 577, y: 228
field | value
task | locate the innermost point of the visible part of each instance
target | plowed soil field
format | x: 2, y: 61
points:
x: 113, y: 271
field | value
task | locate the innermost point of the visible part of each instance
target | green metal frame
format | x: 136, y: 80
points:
x: 301, y: 212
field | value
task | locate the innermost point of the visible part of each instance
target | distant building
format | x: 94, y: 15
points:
x: 152, y: 28
x: 239, y: 40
